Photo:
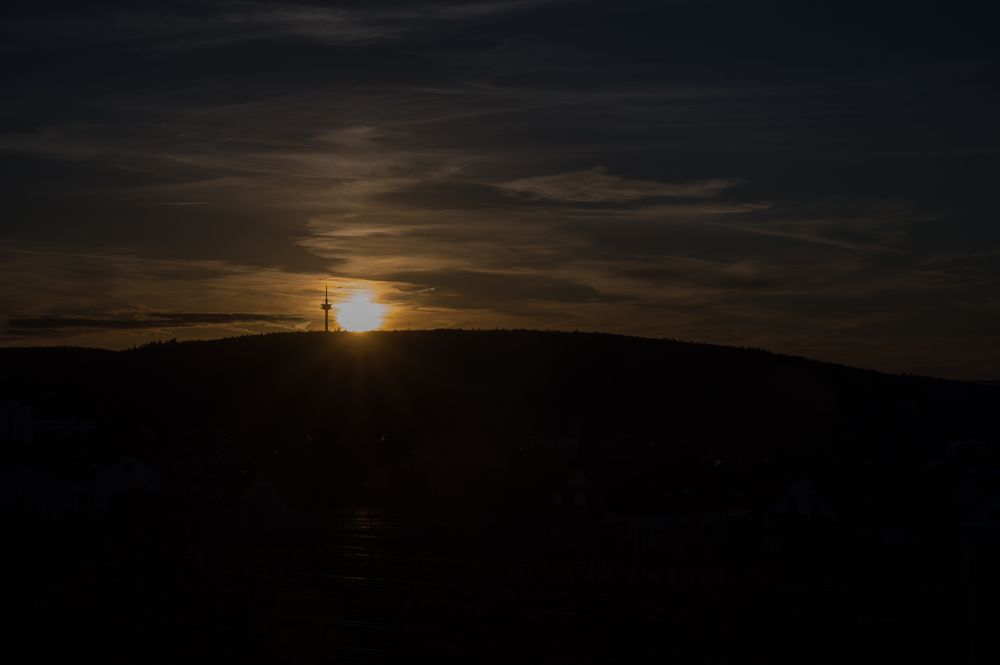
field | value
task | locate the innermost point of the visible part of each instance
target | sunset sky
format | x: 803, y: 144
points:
x: 815, y: 178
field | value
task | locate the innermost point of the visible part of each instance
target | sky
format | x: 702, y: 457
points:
x: 814, y: 178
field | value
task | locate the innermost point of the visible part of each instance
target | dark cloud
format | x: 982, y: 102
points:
x: 467, y: 289
x: 449, y: 195
x: 598, y: 186
x: 42, y: 326
x: 729, y: 276
x: 188, y: 25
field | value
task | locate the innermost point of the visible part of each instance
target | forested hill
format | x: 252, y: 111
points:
x: 613, y: 392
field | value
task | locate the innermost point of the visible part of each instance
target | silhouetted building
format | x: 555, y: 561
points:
x: 799, y: 516
x: 661, y: 519
x: 29, y: 490
x: 800, y: 501
x: 260, y: 503
x: 118, y: 482
x: 567, y: 447
x: 17, y: 422
x: 326, y: 306
x: 577, y: 499
x: 982, y: 521
x: 66, y: 426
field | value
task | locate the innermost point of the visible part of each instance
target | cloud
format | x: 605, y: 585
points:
x: 470, y: 289
x: 727, y: 276
x: 115, y: 298
x: 142, y: 320
x: 445, y: 195
x: 598, y: 186
x: 182, y: 25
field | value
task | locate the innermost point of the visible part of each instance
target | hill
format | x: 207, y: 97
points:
x: 476, y: 397
x: 399, y: 491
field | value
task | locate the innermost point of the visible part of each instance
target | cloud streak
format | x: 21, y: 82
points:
x: 598, y: 186
x: 215, y: 24
x: 144, y: 320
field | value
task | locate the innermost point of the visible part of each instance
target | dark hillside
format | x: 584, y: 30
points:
x: 533, y: 382
x: 307, y: 497
x: 474, y: 396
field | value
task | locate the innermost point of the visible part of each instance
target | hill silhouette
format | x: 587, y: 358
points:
x: 472, y: 398
x: 305, y: 497
x: 544, y: 380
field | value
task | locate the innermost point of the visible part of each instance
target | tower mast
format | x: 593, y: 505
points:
x: 326, y: 307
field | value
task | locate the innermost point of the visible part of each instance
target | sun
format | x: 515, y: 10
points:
x: 360, y: 313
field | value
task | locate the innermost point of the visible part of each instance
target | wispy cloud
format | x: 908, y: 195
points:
x: 598, y: 186
x: 140, y: 320
x: 213, y: 24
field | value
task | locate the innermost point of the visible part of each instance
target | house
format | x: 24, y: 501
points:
x: 577, y: 499
x: 261, y: 503
x: 58, y: 491
x: 799, y: 516
x: 801, y: 502
x: 678, y: 521
x: 567, y: 447
x: 576, y: 511
x: 66, y: 425
x: 17, y: 422
x: 981, y: 522
x: 30, y: 490
x: 126, y: 479
x: 967, y: 488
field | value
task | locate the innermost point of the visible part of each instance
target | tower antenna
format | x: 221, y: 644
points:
x: 326, y: 307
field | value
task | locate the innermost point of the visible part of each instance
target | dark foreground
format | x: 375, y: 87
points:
x: 493, y: 497
x: 369, y: 587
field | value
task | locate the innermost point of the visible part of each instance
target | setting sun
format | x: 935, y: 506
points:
x: 360, y: 313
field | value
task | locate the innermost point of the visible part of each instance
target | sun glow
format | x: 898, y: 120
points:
x: 360, y: 313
